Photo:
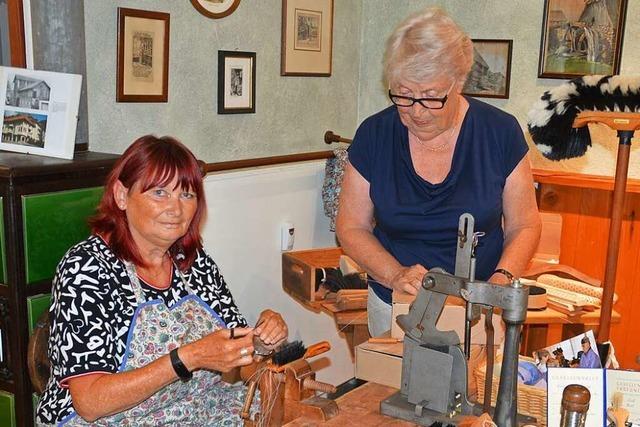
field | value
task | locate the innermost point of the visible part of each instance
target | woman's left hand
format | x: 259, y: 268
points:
x: 271, y: 329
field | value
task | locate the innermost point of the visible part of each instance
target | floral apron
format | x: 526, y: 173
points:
x: 155, y: 330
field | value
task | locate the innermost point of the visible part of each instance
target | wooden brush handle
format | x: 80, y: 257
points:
x: 317, y: 349
x: 248, y: 400
x: 619, y: 416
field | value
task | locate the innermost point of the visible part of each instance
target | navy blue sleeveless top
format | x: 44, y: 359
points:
x: 416, y: 221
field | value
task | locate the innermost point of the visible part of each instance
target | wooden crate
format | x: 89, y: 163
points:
x: 299, y: 271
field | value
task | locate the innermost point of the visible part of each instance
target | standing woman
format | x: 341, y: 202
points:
x: 419, y: 164
x: 142, y: 322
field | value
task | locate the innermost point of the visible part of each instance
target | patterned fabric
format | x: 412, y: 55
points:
x: 156, y: 330
x: 93, y: 303
x: 333, y: 173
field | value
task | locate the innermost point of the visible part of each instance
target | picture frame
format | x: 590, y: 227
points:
x: 143, y: 56
x: 39, y: 111
x: 236, y: 82
x: 490, y: 75
x: 307, y: 38
x: 215, y: 9
x: 580, y: 38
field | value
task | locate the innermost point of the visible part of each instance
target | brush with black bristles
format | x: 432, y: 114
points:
x: 295, y: 350
x: 550, y: 121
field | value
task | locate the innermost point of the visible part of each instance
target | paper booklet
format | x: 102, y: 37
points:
x: 39, y: 111
x: 608, y: 388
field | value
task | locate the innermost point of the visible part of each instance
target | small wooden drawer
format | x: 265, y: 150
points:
x: 299, y: 271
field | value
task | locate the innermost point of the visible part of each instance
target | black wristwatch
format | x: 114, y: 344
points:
x: 183, y: 373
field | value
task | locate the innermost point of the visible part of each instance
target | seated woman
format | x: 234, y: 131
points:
x: 142, y: 322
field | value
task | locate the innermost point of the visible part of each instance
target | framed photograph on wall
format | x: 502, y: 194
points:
x: 236, y: 82
x: 39, y: 111
x: 215, y: 8
x: 143, y: 56
x: 581, y: 37
x: 307, y: 37
x: 491, y: 71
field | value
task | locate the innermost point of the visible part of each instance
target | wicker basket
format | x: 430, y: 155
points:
x: 532, y: 401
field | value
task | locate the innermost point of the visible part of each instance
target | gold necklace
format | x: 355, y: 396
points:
x: 440, y: 147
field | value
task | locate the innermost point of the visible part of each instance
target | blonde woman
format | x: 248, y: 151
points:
x: 432, y: 155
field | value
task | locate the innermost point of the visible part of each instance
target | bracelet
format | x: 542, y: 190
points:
x: 505, y: 273
x: 183, y: 373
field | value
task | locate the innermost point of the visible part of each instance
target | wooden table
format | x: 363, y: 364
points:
x: 554, y: 323
x: 359, y: 407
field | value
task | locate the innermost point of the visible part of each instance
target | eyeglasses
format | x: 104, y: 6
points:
x: 429, y: 103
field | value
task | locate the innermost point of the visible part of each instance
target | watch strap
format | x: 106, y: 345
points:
x: 505, y: 273
x: 183, y: 373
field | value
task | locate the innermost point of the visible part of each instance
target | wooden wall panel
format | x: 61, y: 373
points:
x: 585, y: 229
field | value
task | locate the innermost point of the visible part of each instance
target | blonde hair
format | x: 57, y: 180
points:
x: 426, y: 45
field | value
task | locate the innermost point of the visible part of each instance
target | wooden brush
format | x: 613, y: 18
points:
x: 616, y: 412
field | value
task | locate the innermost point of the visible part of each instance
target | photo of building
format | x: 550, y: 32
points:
x: 27, y: 92
x: 24, y: 129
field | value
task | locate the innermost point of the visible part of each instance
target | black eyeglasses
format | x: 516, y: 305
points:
x: 429, y: 103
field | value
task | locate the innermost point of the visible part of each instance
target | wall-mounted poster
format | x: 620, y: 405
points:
x: 143, y: 56
x: 39, y: 112
x: 491, y: 70
x: 581, y: 37
x: 236, y: 82
x: 307, y: 37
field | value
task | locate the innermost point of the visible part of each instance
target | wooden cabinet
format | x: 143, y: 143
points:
x: 44, y: 204
x: 585, y: 205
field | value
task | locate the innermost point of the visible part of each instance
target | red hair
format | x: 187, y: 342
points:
x: 151, y: 161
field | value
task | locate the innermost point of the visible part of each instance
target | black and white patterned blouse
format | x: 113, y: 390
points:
x: 92, y: 307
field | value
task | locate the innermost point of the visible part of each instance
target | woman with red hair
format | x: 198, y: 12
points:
x: 140, y: 305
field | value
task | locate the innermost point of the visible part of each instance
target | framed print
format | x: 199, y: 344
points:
x: 491, y: 71
x: 215, y: 8
x: 307, y: 37
x: 143, y: 56
x: 581, y: 37
x: 236, y: 82
x: 39, y: 111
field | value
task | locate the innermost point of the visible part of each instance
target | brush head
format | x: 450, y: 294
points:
x: 288, y: 353
x: 550, y: 121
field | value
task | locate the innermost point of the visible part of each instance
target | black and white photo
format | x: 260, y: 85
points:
x: 236, y: 82
x: 142, y: 55
x: 27, y: 92
x: 308, y: 30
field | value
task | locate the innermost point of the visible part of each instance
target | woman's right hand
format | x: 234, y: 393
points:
x: 408, y: 279
x: 218, y: 351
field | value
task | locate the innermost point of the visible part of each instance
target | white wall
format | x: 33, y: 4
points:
x: 242, y: 234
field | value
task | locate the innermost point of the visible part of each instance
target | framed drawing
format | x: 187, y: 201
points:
x: 215, y: 8
x: 143, y: 56
x: 39, y: 111
x: 307, y: 37
x: 581, y: 37
x: 491, y: 70
x: 236, y: 82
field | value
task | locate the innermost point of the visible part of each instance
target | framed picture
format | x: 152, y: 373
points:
x: 143, y: 56
x: 236, y: 82
x: 581, y: 37
x: 215, y: 8
x: 39, y: 111
x: 491, y: 71
x: 307, y: 37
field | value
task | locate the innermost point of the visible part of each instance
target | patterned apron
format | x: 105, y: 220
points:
x: 155, y: 330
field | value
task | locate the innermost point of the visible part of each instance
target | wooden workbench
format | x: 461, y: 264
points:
x: 359, y: 407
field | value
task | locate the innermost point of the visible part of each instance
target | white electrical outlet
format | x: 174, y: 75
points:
x: 287, y: 236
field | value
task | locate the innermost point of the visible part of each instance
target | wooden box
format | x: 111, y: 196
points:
x: 299, y: 271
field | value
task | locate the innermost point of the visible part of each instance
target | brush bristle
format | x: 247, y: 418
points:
x: 288, y: 353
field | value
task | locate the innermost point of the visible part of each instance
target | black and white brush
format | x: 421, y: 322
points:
x: 551, y: 118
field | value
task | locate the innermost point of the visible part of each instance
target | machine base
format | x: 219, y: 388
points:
x: 397, y: 406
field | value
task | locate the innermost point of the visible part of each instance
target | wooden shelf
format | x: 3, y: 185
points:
x: 570, y: 179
